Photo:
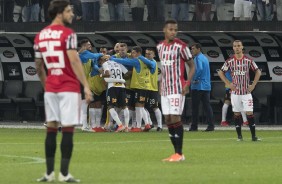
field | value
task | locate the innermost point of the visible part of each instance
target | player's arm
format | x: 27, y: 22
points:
x: 191, y: 73
x: 151, y: 64
x: 221, y: 74
x: 257, y: 76
x: 39, y: 63
x: 106, y: 70
x: 126, y: 61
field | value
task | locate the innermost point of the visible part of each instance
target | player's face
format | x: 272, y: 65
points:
x: 67, y: 15
x: 194, y: 50
x: 149, y: 54
x: 103, y: 51
x: 116, y: 48
x: 134, y: 54
x: 122, y: 51
x: 238, y: 47
x: 170, y: 31
x: 88, y: 46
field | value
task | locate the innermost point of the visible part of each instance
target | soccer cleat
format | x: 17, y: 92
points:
x: 152, y: 126
x: 175, y: 158
x: 159, y: 129
x: 85, y: 129
x: 98, y: 129
x: 120, y: 128
x: 240, y: 138
x: 246, y: 123
x: 256, y: 139
x: 126, y: 129
x: 224, y: 123
x: 68, y: 178
x: 136, y: 130
x: 47, y: 178
x: 147, y: 128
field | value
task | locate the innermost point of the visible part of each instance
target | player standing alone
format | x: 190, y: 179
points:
x: 241, y: 97
x: 56, y: 46
x: 173, y: 54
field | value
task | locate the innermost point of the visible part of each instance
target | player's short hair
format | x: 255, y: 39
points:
x: 137, y: 49
x: 150, y: 49
x: 83, y: 41
x: 197, y: 45
x: 56, y: 7
x: 238, y: 41
x: 122, y: 45
x: 170, y: 21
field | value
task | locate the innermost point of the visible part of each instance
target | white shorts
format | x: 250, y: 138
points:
x: 242, y: 103
x: 63, y: 107
x: 172, y: 104
x: 244, y: 5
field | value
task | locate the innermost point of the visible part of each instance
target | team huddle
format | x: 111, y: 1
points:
x: 127, y: 82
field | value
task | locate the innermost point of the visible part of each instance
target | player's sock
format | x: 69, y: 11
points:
x: 115, y: 116
x: 148, y: 116
x: 244, y: 116
x: 178, y: 128
x: 133, y: 120
x: 121, y: 114
x: 252, y: 124
x: 158, y: 115
x: 66, y: 149
x: 138, y: 113
x: 83, y: 117
x: 98, y: 116
x: 171, y: 131
x: 224, y: 111
x: 238, y: 123
x: 50, y: 149
x: 126, y: 116
x: 92, y: 117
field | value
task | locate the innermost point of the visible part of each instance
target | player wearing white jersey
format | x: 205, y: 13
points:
x: 116, y: 94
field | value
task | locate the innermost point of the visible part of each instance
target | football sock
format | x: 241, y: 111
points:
x: 224, y: 111
x: 83, y: 117
x: 66, y: 149
x: 92, y: 117
x: 148, y: 116
x: 238, y: 124
x: 98, y: 116
x: 133, y: 120
x: 50, y: 149
x: 171, y: 132
x: 178, y: 127
x: 115, y: 116
x: 252, y: 124
x: 158, y: 115
x: 145, y: 116
x: 126, y: 116
x: 138, y: 113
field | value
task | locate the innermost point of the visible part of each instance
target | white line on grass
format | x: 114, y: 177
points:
x: 35, y: 160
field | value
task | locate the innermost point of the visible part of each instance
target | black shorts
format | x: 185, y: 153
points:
x: 140, y: 96
x: 130, y: 97
x: 99, y: 98
x: 152, y: 99
x: 82, y: 92
x: 116, y: 97
x: 227, y: 95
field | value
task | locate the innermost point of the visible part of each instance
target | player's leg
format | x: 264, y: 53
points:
x: 225, y: 106
x: 248, y: 108
x: 237, y: 107
x: 154, y: 103
x: 245, y: 120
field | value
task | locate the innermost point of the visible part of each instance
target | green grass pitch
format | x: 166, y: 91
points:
x: 135, y: 158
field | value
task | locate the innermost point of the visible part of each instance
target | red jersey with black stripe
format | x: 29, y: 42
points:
x: 240, y: 73
x: 51, y: 44
x: 172, y: 57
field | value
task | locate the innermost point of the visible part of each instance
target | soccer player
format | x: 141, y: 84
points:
x: 227, y: 102
x: 87, y: 57
x: 173, y: 54
x: 140, y: 82
x: 116, y: 94
x: 152, y: 100
x: 241, y: 97
x: 56, y: 46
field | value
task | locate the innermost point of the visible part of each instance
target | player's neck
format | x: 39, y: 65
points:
x: 239, y: 56
x: 168, y: 41
x: 57, y: 21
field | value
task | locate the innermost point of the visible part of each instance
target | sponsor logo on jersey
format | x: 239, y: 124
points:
x: 277, y: 70
x: 8, y: 54
x: 167, y: 62
x: 19, y: 41
x: 30, y: 70
x: 254, y: 53
x: 50, y: 34
x: 213, y: 54
x: 238, y: 72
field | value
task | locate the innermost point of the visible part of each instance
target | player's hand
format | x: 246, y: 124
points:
x: 88, y: 95
x: 231, y: 86
x: 251, y: 88
x: 106, y: 57
x: 185, y: 90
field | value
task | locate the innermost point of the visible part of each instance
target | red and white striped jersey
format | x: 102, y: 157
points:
x: 240, y: 73
x: 51, y: 44
x: 172, y: 57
